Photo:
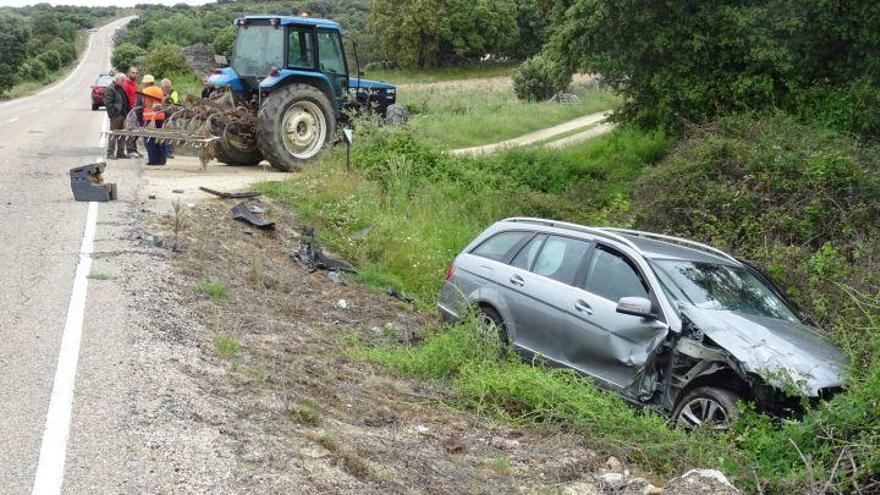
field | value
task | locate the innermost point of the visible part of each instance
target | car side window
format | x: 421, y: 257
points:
x: 560, y: 258
x: 499, y: 246
x: 526, y: 256
x: 612, y: 277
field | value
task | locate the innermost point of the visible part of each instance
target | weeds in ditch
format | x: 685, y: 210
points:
x: 219, y: 291
x: 227, y: 346
x: 98, y: 276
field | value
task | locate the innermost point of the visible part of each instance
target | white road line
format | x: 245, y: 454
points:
x: 49, y: 477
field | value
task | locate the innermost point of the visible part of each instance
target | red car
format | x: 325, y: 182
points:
x: 98, y: 88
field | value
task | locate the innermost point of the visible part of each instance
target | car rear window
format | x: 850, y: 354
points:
x: 500, y: 245
x: 103, y: 81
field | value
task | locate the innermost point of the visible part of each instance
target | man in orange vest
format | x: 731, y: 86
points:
x: 153, y: 98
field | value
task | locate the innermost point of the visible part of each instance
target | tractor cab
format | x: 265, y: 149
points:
x: 273, y: 51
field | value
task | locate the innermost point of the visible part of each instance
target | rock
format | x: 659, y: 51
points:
x: 651, y: 490
x: 200, y: 57
x: 502, y: 443
x: 699, y: 481
x: 453, y: 445
x: 342, y: 304
x: 336, y: 278
x: 612, y: 481
x: 580, y: 488
x: 613, y: 464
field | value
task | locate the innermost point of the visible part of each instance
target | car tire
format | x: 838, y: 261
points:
x: 491, y: 317
x: 704, y: 405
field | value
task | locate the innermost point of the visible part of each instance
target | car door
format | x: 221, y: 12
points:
x: 541, y: 290
x: 605, y: 343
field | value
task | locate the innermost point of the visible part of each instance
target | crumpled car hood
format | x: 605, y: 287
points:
x: 783, y: 353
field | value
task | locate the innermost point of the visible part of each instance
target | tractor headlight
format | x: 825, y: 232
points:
x: 392, y: 91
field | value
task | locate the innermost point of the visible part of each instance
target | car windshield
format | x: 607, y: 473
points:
x: 257, y: 48
x: 721, y: 287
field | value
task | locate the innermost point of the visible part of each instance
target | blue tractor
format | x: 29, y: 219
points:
x: 291, y: 74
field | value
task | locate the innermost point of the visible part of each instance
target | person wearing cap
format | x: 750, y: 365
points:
x: 153, y: 98
x: 172, y: 97
x: 117, y: 106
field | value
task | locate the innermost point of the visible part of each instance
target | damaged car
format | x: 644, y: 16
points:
x: 671, y: 324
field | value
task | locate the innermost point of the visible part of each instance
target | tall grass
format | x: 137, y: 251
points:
x: 465, y: 114
x: 440, y: 74
x: 424, y: 206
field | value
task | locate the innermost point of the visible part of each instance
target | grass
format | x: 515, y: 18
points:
x: 425, y: 206
x: 440, y: 74
x: 227, y: 346
x: 98, y: 276
x: 219, y: 291
x: 305, y: 413
x: 471, y: 115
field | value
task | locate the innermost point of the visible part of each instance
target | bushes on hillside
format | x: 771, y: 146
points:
x: 801, y: 201
x: 165, y: 59
x: 539, y: 78
x: 34, y: 69
x: 124, y: 55
x: 13, y: 45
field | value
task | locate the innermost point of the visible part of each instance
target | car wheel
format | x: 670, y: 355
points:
x: 710, y: 406
x: 494, y: 321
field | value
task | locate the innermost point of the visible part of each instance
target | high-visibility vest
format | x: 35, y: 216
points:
x: 154, y: 95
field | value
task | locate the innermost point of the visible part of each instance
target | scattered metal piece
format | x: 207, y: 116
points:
x: 336, y: 278
x: 226, y: 195
x: 244, y: 212
x: 391, y: 291
x: 177, y: 191
x: 87, y: 183
x: 312, y: 256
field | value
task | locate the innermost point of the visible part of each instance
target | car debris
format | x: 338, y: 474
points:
x: 227, y: 195
x: 400, y: 296
x: 87, y: 183
x: 342, y: 304
x: 251, y: 214
x: 313, y: 257
x: 336, y: 278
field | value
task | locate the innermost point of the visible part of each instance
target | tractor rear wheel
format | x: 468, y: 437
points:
x: 296, y: 122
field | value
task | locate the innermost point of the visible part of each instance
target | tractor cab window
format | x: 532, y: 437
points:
x: 330, y: 52
x: 257, y: 48
x: 300, y: 54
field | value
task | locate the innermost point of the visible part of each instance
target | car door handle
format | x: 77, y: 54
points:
x: 517, y: 281
x: 581, y: 306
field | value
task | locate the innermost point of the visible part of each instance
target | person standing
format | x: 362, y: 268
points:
x: 117, y: 105
x: 171, y: 96
x: 153, y: 98
x: 131, y: 89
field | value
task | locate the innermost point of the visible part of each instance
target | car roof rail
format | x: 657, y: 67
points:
x: 579, y: 228
x: 676, y: 240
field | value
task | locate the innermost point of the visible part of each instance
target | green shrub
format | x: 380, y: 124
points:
x: 165, y: 59
x: 34, y: 69
x: 853, y: 108
x: 223, y: 41
x: 539, y: 78
x: 51, y: 59
x: 124, y: 55
x: 798, y: 200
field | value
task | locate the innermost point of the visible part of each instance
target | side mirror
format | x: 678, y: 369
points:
x: 635, y: 306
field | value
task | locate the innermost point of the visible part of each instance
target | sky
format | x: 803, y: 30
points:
x: 97, y: 3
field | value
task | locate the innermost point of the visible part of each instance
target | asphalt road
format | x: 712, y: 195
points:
x: 41, y: 237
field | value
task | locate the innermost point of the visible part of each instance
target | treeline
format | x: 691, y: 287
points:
x: 38, y: 41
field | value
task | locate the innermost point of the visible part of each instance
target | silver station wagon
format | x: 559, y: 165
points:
x: 670, y: 324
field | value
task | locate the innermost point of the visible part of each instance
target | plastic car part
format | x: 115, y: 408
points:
x: 87, y: 183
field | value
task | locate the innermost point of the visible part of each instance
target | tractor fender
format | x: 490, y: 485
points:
x: 288, y: 76
x: 226, y: 77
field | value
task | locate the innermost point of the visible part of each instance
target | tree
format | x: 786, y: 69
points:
x: 539, y: 78
x: 223, y: 41
x: 124, y: 55
x: 165, y: 59
x: 408, y: 30
x: 14, y: 38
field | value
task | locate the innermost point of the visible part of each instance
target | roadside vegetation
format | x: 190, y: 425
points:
x: 38, y: 44
x: 474, y: 113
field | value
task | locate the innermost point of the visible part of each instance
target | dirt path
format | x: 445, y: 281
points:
x: 587, y: 122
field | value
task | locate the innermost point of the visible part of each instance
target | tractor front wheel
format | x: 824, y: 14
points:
x: 296, y: 122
